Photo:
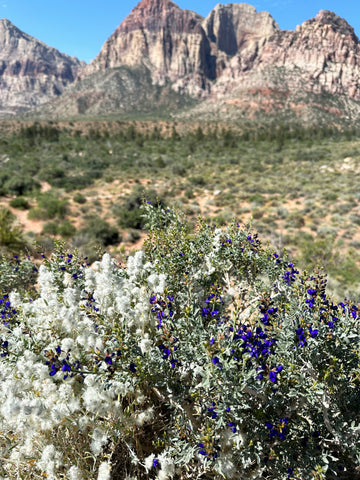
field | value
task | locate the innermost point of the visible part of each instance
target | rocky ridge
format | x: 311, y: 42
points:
x: 31, y: 73
x: 235, y: 62
x: 236, y: 57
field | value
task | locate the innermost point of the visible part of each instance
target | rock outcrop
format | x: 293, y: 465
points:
x: 31, y: 73
x: 322, y: 56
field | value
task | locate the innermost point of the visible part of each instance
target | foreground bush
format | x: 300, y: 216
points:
x: 206, y: 357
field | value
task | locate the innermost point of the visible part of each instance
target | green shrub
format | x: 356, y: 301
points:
x: 52, y: 205
x: 21, y: 185
x: 20, y: 203
x: 36, y: 133
x: 50, y: 228
x: 37, y: 214
x: 130, y: 215
x: 11, y: 235
x: 198, y: 181
x: 179, y: 170
x: 66, y: 229
x: 79, y: 198
x: 207, y: 357
x: 101, y: 231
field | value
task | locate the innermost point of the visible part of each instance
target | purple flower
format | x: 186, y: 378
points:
x: 314, y: 332
x: 132, y: 367
x: 233, y: 427
x: 108, y: 360
x: 272, y: 376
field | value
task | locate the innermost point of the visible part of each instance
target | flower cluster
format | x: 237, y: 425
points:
x: 290, y: 275
x: 7, y: 312
x: 280, y: 429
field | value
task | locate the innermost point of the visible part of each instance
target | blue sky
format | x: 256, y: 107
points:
x: 80, y: 27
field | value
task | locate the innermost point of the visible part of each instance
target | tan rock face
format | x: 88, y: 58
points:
x: 30, y: 72
x: 158, y: 34
x: 324, y: 50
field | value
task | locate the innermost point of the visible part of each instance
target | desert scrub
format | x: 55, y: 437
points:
x: 206, y: 356
x: 20, y: 203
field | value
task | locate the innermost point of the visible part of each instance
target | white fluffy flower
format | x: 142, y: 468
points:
x: 104, y: 471
x: 167, y: 467
x: 145, y: 344
x: 15, y: 299
x: 225, y: 466
x: 90, y: 280
x: 99, y: 438
x: 74, y: 473
x: 149, y: 462
x: 67, y: 343
x: 68, y: 281
x: 157, y: 282
x: 210, y: 267
x: 145, y: 416
x: 50, y: 459
x: 135, y: 264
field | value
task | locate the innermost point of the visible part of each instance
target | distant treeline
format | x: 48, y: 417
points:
x: 37, y: 132
x: 230, y: 136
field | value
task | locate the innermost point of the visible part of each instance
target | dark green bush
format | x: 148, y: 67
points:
x: 20, y: 203
x: 20, y: 185
x: 79, y: 198
x: 52, y: 205
x: 101, y: 231
x: 130, y: 215
x: 66, y: 229
x: 50, y: 228
x: 198, y: 180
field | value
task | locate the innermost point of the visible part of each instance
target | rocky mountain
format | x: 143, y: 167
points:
x: 235, y: 63
x: 31, y: 73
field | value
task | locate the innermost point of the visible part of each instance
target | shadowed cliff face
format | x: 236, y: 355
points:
x: 229, y: 26
x: 30, y: 72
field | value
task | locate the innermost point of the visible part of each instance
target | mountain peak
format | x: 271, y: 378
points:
x: 6, y: 25
x: 6, y: 22
x: 338, y: 24
x: 154, y: 5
